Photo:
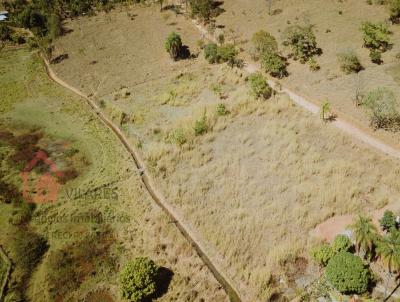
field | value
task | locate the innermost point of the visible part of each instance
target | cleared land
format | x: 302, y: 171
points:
x: 84, y: 255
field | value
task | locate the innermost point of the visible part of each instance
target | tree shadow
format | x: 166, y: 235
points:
x: 163, y: 280
x: 217, y: 9
x: 184, y: 53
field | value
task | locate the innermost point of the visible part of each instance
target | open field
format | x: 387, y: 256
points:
x: 337, y: 28
x: 82, y: 256
x: 264, y: 175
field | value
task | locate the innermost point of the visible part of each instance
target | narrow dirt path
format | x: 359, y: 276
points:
x: 340, y: 122
x: 187, y: 231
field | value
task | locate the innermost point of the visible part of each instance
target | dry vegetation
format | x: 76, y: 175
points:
x: 83, y: 258
x: 262, y: 176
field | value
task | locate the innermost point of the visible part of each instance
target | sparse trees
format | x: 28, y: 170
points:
x: 173, y: 45
x: 138, y: 280
x: 259, y: 86
x: 302, y: 41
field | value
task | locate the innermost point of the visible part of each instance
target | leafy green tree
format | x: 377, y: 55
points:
x: 173, y: 45
x: 273, y: 64
x: 138, y: 279
x: 259, y: 86
x: 376, y: 35
x: 202, y: 9
x: 263, y: 42
x: 365, y: 233
x: 341, y: 243
x: 394, y: 9
x: 388, y: 221
x: 322, y: 254
x: 348, y: 274
x: 228, y: 53
x: 302, y: 41
x: 383, y: 108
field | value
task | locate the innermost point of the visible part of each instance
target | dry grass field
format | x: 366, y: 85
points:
x: 337, y: 28
x: 84, y: 256
x: 265, y: 174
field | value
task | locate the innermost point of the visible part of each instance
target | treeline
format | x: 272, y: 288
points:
x: 44, y: 17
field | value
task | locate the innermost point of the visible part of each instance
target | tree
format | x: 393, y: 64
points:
x: 383, y: 108
x: 211, y: 53
x: 394, y: 9
x: 302, y: 41
x: 259, y: 86
x: 263, y: 42
x: 138, y: 279
x: 273, y: 64
x: 227, y: 53
x: 348, y: 274
x: 349, y: 62
x: 173, y: 45
x: 322, y: 254
x: 376, y: 35
x: 202, y: 9
x: 365, y: 233
x: 388, y: 221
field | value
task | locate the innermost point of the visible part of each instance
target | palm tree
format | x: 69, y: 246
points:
x: 388, y: 249
x: 365, y: 233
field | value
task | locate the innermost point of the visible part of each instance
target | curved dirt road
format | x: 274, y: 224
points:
x: 186, y: 230
x: 340, y: 122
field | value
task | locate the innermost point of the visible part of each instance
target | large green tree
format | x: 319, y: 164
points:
x: 365, y: 233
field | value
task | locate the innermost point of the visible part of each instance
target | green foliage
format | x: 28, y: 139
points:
x: 349, y: 62
x: 394, y: 9
x: 219, y: 54
x: 302, y: 41
x: 376, y: 35
x: 322, y: 254
x: 365, y: 233
x: 201, y: 126
x: 211, y: 53
x: 313, y: 64
x: 259, y: 86
x: 348, y: 274
x: 273, y: 64
x: 173, y: 45
x: 54, y: 26
x: 383, y: 108
x: 325, y: 108
x: 388, y: 249
x: 221, y: 110
x: 138, y: 279
x: 376, y: 56
x: 178, y: 136
x: 263, y: 42
x: 202, y: 9
x: 341, y: 243
x: 388, y: 221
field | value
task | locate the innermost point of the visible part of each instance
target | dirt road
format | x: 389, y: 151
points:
x: 176, y: 217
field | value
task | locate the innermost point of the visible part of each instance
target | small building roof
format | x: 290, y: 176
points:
x: 3, y: 17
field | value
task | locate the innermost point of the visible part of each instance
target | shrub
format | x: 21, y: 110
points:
x: 342, y: 243
x: 388, y: 221
x: 263, y: 42
x: 201, y: 8
x: 221, y: 110
x: 376, y: 56
x: 313, y: 64
x: 376, y: 36
x: 383, y: 108
x: 201, y: 126
x: 349, y: 62
x: 173, y: 45
x: 348, y: 274
x: 273, y: 64
x: 322, y: 254
x: 227, y: 53
x: 211, y: 53
x: 394, y: 9
x: 178, y: 136
x: 302, y: 41
x: 137, y: 280
x: 18, y: 38
x: 259, y: 86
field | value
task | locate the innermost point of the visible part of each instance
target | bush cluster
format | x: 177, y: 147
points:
x: 219, y: 54
x: 259, y: 86
x: 302, y: 41
x: 349, y: 62
x: 202, y: 9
